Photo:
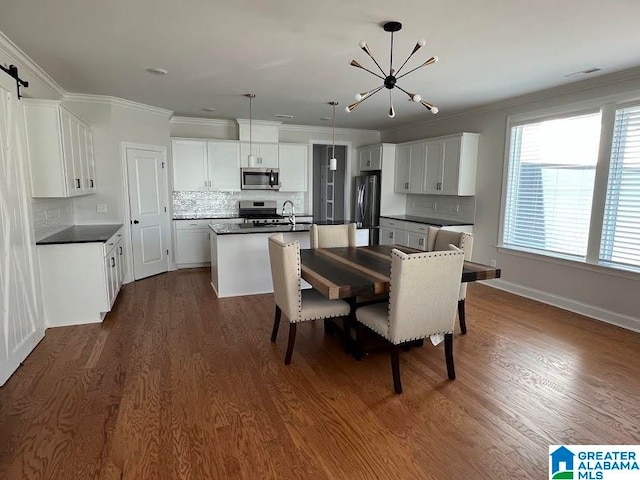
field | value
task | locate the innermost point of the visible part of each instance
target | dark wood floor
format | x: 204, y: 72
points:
x: 177, y: 384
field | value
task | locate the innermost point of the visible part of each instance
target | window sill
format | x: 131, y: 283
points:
x: 601, y: 268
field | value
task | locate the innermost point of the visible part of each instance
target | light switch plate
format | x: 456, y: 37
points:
x: 101, y: 208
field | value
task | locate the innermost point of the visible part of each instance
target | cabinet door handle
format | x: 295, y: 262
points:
x: 77, y: 183
x: 390, y: 234
x: 421, y: 241
x: 120, y: 250
x: 406, y: 186
x: 91, y: 182
x: 439, y: 186
x: 113, y: 262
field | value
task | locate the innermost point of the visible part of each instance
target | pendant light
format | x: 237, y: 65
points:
x: 390, y: 78
x: 251, y: 158
x: 333, y: 161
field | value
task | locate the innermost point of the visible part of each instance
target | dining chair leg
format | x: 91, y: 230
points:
x: 448, y: 355
x: 358, y: 346
x: 276, y: 324
x: 395, y: 368
x: 463, y: 323
x: 292, y: 341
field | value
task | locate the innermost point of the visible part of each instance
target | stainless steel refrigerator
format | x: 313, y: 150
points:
x: 367, y: 204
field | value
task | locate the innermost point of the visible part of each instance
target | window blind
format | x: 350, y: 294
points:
x: 550, y: 183
x: 620, y: 243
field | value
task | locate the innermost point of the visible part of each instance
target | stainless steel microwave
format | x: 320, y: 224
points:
x: 260, y: 178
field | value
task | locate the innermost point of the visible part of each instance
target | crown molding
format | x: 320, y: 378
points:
x: 32, y: 68
x: 212, y: 122
x: 117, y: 102
x: 268, y: 123
x: 575, y: 87
x: 323, y: 129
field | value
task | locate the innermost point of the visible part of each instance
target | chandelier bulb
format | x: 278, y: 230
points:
x: 393, y: 72
x: 416, y: 97
x: 422, y: 42
x: 434, y: 110
x: 363, y: 44
x: 347, y: 109
x: 358, y: 97
x: 392, y: 112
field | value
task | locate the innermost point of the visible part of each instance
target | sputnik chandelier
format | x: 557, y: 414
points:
x: 390, y: 80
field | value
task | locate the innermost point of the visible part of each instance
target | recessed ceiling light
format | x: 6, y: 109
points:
x: 157, y: 71
x: 208, y: 109
x: 282, y: 115
x: 588, y: 71
x: 325, y: 119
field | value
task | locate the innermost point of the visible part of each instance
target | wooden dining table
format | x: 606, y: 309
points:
x: 350, y: 272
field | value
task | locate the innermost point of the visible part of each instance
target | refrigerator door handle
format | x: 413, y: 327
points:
x: 361, y: 202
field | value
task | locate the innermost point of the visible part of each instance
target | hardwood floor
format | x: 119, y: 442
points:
x: 176, y: 384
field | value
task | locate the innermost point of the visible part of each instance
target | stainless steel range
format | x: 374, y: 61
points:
x: 260, y: 213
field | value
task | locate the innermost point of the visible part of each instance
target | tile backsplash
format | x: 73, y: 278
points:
x: 447, y: 207
x: 212, y: 204
x: 51, y: 215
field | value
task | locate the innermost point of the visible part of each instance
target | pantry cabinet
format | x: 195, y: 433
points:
x: 60, y: 151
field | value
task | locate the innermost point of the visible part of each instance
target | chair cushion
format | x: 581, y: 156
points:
x: 316, y: 306
x: 376, y: 317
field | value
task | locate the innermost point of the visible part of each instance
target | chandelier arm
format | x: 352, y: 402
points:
x: 391, y: 56
x: 403, y: 90
x: 366, y: 69
x: 356, y: 104
x: 405, y: 62
x: 431, y: 61
x: 376, y: 62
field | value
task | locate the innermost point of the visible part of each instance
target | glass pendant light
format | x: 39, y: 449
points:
x: 333, y: 161
x: 251, y: 158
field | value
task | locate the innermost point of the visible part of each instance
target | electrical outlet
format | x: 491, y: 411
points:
x: 493, y: 262
x: 101, y: 208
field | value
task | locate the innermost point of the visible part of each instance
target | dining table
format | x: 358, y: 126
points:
x: 361, y: 275
x: 350, y: 272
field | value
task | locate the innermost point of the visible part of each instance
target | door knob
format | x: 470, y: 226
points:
x: 135, y: 222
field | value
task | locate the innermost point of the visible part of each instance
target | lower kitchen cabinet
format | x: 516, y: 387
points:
x: 411, y: 234
x: 80, y: 281
x: 192, y: 241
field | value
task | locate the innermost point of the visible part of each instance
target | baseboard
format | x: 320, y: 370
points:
x: 591, y: 311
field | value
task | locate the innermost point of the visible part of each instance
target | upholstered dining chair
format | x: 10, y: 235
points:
x: 297, y: 306
x: 439, y: 240
x: 423, y: 293
x: 331, y: 236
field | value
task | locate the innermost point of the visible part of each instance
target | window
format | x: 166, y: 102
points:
x: 552, y: 166
x: 620, y: 242
x: 573, y: 186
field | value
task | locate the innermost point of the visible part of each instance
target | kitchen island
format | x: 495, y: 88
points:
x: 240, y: 256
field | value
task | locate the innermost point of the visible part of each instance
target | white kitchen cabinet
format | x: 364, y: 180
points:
x: 192, y: 241
x: 189, y: 165
x: 412, y: 234
x: 200, y: 165
x: 410, y: 167
x: 370, y: 158
x: 266, y: 154
x: 293, y: 160
x: 451, y: 165
x: 60, y: 150
x: 80, y: 281
x: 223, y: 166
x: 393, y: 236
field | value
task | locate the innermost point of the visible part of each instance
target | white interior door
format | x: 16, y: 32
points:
x: 148, y: 207
x: 20, y: 316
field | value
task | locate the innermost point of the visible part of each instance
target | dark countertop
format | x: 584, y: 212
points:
x: 235, y: 228
x: 204, y: 216
x: 82, y: 234
x: 438, y: 222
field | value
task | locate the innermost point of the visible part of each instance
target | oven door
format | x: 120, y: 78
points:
x: 260, y: 179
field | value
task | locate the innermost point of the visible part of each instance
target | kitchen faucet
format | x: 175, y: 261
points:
x: 292, y: 215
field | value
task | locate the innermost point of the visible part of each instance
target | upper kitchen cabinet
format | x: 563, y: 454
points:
x: 266, y: 154
x: 223, y: 166
x: 60, y: 150
x: 370, y: 158
x: 189, y: 165
x: 410, y: 167
x: 293, y: 167
x: 200, y: 165
x: 451, y: 165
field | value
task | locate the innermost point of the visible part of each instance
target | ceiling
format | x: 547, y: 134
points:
x: 294, y: 54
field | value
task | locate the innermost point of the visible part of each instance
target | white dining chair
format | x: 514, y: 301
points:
x: 298, y: 306
x: 332, y: 236
x: 423, y: 293
x: 439, y: 240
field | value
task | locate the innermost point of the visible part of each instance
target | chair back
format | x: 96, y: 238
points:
x: 464, y: 241
x: 331, y: 236
x: 423, y: 293
x: 285, y: 274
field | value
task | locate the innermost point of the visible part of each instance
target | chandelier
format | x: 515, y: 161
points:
x: 390, y: 79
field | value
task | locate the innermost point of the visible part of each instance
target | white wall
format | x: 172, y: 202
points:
x: 592, y: 291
